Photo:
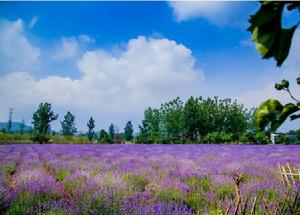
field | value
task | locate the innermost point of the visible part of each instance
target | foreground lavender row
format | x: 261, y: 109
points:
x: 139, y: 179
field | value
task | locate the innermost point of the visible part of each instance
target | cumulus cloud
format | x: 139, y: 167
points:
x: 146, y: 73
x: 16, y: 52
x: 68, y: 48
x: 216, y: 12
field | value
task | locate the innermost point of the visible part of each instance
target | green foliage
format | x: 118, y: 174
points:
x: 136, y: 182
x: 191, y: 118
x: 25, y: 201
x: 91, y: 126
x: 199, y: 184
x: 172, y: 118
x: 218, y: 137
x: 68, y: 124
x: 267, y: 32
x: 61, y: 174
x: 283, y: 139
x: 41, y: 121
x: 40, y: 138
x: 262, y: 138
x: 225, y: 191
x: 197, y: 202
x: 272, y: 114
x: 22, y: 126
x: 104, y: 137
x: 111, y: 131
x: 273, y: 41
x: 128, y: 131
x: 169, y: 194
x: 176, y: 122
x: 150, y: 128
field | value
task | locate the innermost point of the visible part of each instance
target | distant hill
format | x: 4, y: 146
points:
x: 15, y: 126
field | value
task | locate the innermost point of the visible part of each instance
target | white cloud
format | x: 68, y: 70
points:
x: 68, y: 48
x: 189, y: 10
x: 16, y: 52
x: 85, y: 38
x: 112, y: 88
x: 33, y: 21
x: 216, y: 12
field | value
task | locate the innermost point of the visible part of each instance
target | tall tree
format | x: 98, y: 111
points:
x: 150, y: 127
x: 191, y: 118
x: 172, y: 116
x: 9, y: 124
x: 42, y: 118
x: 104, y: 137
x: 68, y: 124
x: 22, y: 126
x: 128, y: 131
x: 91, y: 126
x: 111, y: 131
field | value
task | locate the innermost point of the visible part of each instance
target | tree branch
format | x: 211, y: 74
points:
x: 288, y: 90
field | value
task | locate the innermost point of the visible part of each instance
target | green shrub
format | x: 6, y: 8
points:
x: 261, y: 138
x: 283, y: 139
x: 169, y: 194
x: 225, y: 191
x: 199, y: 184
x: 196, y: 202
x: 61, y: 174
x: 136, y: 182
x: 218, y: 137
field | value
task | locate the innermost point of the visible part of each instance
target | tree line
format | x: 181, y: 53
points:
x: 210, y: 120
x: 198, y: 120
x: 44, y: 115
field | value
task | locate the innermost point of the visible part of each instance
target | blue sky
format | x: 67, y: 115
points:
x: 112, y: 60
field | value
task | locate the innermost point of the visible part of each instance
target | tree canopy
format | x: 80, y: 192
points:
x: 68, y: 124
x: 42, y: 118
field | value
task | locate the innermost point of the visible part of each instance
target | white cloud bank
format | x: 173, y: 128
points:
x: 17, y: 54
x: 216, y: 12
x: 146, y: 73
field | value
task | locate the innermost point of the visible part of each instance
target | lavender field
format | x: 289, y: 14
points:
x: 139, y: 179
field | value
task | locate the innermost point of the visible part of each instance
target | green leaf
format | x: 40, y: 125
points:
x: 272, y: 113
x: 282, y: 45
x: 287, y: 110
x: 272, y: 41
x: 267, y: 112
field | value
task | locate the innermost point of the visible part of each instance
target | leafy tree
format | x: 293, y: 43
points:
x: 274, y: 41
x: 191, y: 118
x: 22, y: 126
x: 68, y: 124
x: 91, y: 126
x: 9, y: 124
x: 42, y: 118
x: 150, y: 128
x: 179, y: 122
x: 111, y: 131
x: 128, y: 131
x: 172, y: 117
x: 104, y: 137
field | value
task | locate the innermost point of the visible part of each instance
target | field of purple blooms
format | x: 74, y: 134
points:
x: 138, y: 179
